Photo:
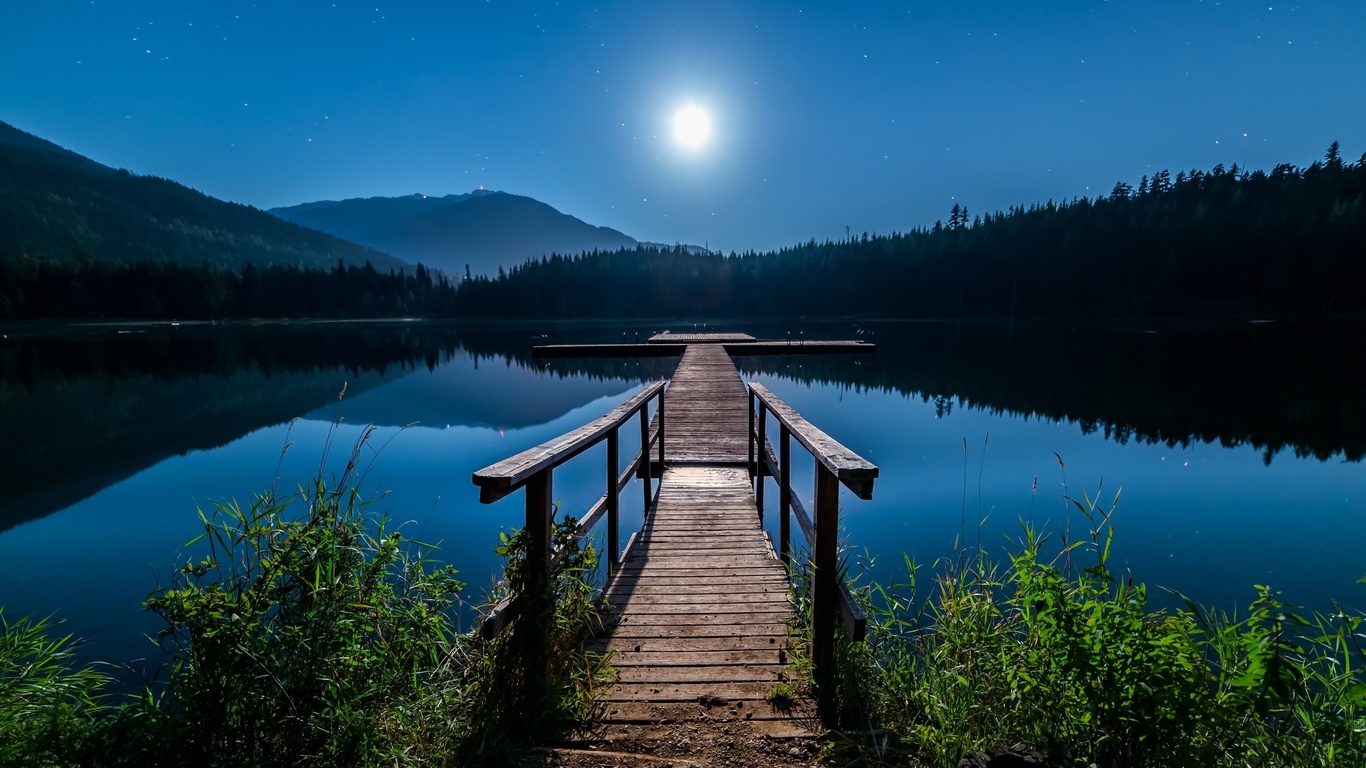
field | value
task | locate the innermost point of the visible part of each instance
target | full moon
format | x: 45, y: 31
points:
x: 692, y: 127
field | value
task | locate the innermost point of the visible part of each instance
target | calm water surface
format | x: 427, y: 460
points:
x: 1237, y: 449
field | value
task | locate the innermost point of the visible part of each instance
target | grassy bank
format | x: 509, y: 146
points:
x: 1050, y: 648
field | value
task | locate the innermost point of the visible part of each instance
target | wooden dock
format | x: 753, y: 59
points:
x: 700, y: 619
x: 698, y: 628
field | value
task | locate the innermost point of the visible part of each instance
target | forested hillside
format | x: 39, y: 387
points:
x: 59, y: 207
x: 1288, y: 242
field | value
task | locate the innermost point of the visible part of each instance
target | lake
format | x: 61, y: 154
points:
x: 1237, y: 447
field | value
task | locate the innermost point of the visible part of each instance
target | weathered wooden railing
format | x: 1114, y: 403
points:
x: 835, y: 464
x: 534, y: 468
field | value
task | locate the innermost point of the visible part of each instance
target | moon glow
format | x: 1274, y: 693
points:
x: 692, y: 127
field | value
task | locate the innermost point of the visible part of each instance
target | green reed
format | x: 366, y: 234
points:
x: 50, y: 709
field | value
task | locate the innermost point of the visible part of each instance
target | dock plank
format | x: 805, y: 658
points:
x: 706, y: 419
x: 699, y: 612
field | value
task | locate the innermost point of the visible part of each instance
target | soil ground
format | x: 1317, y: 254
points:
x: 722, y: 744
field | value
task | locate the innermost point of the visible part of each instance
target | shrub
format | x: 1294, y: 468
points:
x: 319, y: 639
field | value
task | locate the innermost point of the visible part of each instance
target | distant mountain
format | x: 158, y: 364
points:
x: 483, y: 229
x: 56, y: 205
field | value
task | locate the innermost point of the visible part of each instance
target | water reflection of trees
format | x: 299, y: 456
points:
x: 1274, y: 387
x: 1271, y: 387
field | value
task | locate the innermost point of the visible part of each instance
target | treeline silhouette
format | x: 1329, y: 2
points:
x: 1287, y: 242
x: 155, y: 290
x: 1283, y: 243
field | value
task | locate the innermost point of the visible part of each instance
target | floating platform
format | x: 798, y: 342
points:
x: 701, y: 338
x: 672, y: 349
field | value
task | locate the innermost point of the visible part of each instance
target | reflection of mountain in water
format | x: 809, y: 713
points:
x: 92, y: 433
x: 82, y: 411
x: 471, y: 392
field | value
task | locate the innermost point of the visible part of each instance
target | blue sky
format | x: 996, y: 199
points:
x: 872, y: 116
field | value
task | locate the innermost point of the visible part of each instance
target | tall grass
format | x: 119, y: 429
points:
x: 1067, y: 658
x: 50, y: 710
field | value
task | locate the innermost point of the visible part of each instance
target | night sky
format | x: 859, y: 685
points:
x: 871, y: 116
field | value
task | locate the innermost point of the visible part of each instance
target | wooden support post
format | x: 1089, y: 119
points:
x: 785, y: 495
x: 761, y: 443
x: 537, y: 599
x: 825, y: 586
x: 613, y: 505
x: 538, y: 512
x: 645, y: 457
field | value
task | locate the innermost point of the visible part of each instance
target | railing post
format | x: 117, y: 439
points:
x: 645, y: 456
x: 613, y: 504
x: 825, y: 585
x: 760, y: 442
x: 661, y: 432
x: 749, y: 436
x: 785, y: 494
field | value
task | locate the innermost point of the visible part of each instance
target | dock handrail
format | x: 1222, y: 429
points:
x: 834, y: 465
x: 533, y: 469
